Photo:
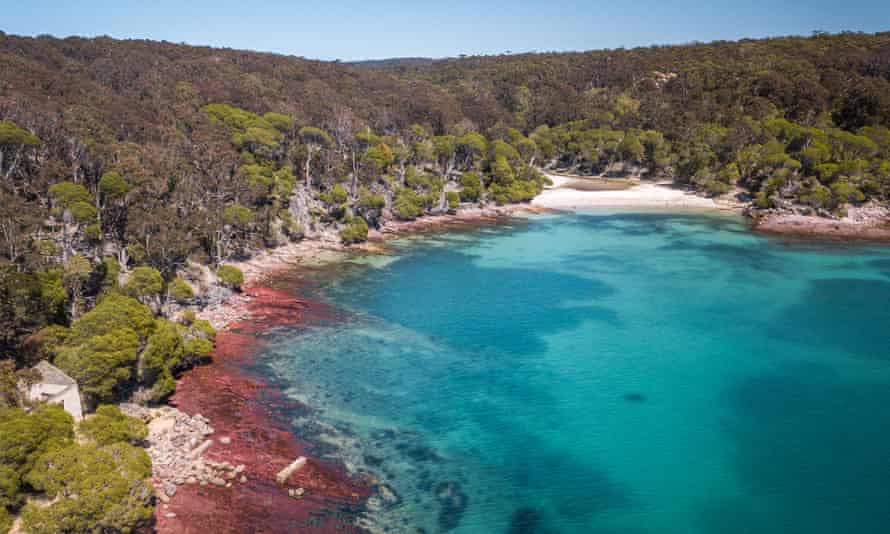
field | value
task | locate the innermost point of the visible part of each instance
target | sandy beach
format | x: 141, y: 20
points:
x: 564, y: 195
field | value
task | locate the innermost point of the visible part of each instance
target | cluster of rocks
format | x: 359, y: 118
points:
x: 176, y: 443
x: 870, y: 213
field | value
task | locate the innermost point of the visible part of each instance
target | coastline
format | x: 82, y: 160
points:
x: 240, y: 406
x: 264, y: 265
x: 561, y: 195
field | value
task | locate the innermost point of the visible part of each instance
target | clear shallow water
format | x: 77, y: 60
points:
x: 614, y: 373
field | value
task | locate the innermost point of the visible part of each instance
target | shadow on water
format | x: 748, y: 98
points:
x: 811, y: 451
x: 655, y: 222
x: 882, y: 265
x: 848, y: 314
x: 443, y: 291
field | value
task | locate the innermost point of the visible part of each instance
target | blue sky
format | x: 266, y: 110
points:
x: 351, y: 30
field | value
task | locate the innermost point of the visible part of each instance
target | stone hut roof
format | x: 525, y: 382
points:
x: 51, y: 374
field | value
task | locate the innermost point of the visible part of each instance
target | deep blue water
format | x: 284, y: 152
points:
x: 608, y: 372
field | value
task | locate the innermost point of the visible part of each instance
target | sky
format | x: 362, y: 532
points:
x: 367, y: 29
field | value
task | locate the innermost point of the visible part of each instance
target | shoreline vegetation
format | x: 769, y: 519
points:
x: 139, y: 209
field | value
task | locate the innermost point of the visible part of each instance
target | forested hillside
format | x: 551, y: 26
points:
x: 125, y: 163
x: 120, y: 154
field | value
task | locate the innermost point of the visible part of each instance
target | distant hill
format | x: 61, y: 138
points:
x: 394, y: 63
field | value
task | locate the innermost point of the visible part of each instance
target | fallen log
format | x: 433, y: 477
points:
x: 294, y: 466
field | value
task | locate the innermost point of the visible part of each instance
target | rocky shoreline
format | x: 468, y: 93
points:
x: 227, y: 477
x: 861, y: 224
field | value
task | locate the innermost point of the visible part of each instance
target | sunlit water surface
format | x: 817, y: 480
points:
x: 607, y: 372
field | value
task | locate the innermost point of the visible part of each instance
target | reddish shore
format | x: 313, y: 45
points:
x: 243, y: 408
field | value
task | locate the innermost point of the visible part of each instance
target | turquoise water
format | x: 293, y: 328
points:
x: 607, y: 372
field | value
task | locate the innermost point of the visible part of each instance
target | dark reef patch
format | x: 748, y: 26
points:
x: 453, y: 503
x: 635, y: 397
x: 841, y: 483
x: 882, y: 265
x: 525, y: 520
x: 847, y: 314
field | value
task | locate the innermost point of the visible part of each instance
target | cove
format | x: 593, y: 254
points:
x: 605, y: 371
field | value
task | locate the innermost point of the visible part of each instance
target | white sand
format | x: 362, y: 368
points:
x: 558, y: 196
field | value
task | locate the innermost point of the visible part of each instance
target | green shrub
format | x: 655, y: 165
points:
x: 113, y: 185
x: 370, y: 201
x: 83, y: 211
x: 519, y: 191
x: 407, y: 205
x: 112, y: 270
x: 203, y: 328
x: 187, y: 317
x: 113, y: 312
x: 5, y: 520
x: 716, y: 187
x: 379, y: 156
x: 24, y: 437
x: 280, y: 122
x: 180, y: 290
x: 847, y: 192
x: 199, y: 340
x: 92, y: 232
x: 470, y: 187
x: 102, y: 362
x: 294, y: 230
x: 355, y: 231
x: 453, y: 199
x: 335, y: 197
x: 144, y: 282
x: 10, y: 491
x: 52, y: 291
x: 92, y: 489
x: 291, y: 228
x: 502, y: 172
x: 108, y: 425
x: 45, y: 247
x: 12, y: 134
x: 163, y: 354
x: 198, y: 347
x: 238, y: 215
x: 101, y: 348
x: 65, y: 194
x: 230, y: 276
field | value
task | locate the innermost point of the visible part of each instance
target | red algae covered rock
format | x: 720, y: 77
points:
x: 319, y: 497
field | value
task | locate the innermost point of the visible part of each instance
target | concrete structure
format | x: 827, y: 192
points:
x: 57, y: 388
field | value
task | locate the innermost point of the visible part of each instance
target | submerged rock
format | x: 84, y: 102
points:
x: 453, y: 503
x: 418, y: 453
x: 635, y: 397
x: 525, y: 520
x: 388, y: 496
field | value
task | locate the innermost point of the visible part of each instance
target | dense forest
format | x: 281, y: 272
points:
x: 130, y: 169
